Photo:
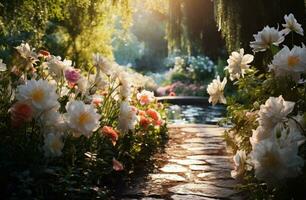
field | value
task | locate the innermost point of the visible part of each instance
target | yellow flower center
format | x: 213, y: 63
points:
x: 271, y: 160
x: 38, y: 95
x: 84, y: 118
x: 293, y: 61
x: 56, y: 145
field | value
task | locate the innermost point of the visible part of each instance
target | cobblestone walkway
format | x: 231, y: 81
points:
x: 194, y: 166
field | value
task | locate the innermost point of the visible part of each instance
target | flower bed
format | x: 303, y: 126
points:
x: 68, y: 134
x: 268, y: 114
x: 181, y: 89
x: 187, y: 76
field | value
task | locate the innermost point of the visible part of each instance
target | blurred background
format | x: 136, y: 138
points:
x: 180, y: 44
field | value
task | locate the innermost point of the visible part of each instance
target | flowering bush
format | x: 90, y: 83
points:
x: 67, y: 133
x: 190, y: 69
x: 181, y: 89
x: 268, y: 115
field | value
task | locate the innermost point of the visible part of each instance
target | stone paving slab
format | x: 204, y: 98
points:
x: 190, y: 197
x: 194, y: 165
x: 205, y: 190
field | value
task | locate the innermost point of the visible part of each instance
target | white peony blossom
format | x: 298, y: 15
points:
x: 240, y: 164
x: 274, y: 111
x: 52, y: 120
x: 53, y: 145
x: 3, y: 67
x: 215, y: 90
x: 289, y: 62
x: 300, y: 120
x: 83, y: 85
x: 24, y: 50
x: 292, y: 25
x: 260, y: 134
x: 290, y: 135
x: 57, y: 67
x: 127, y: 117
x: 238, y: 63
x: 273, y: 163
x: 41, y: 94
x: 82, y: 118
x: 102, y: 63
x: 265, y: 38
x: 125, y: 86
x: 98, y: 80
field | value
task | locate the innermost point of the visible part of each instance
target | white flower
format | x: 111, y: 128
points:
x: 300, y: 119
x: 290, y: 135
x: 285, y: 133
x: 274, y: 111
x: 292, y: 25
x: 179, y: 62
x: 53, y: 145
x: 125, y: 88
x: 82, y: 118
x: 215, y: 90
x: 83, y: 85
x: 265, y: 38
x: 24, y: 50
x: 40, y: 94
x: 145, y: 97
x: 102, y: 64
x: 240, y: 162
x: 238, y: 64
x: 98, y: 80
x: 289, y: 62
x: 259, y: 134
x: 52, y: 120
x: 127, y: 117
x: 273, y: 163
x: 57, y: 67
x: 2, y: 66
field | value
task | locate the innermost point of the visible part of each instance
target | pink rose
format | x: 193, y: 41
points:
x: 20, y: 112
x: 72, y: 75
x: 117, y: 166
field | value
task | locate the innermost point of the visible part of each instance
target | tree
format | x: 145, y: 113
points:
x: 192, y: 28
x: 72, y: 28
x: 238, y: 20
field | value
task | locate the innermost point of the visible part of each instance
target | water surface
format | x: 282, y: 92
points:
x: 186, y: 114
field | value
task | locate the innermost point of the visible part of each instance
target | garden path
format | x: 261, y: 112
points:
x: 194, y: 165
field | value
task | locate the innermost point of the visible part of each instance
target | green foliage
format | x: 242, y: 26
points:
x: 190, y: 69
x: 85, y: 169
x: 74, y: 29
x: 192, y: 28
x: 238, y: 23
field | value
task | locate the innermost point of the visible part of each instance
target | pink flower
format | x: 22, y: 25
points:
x: 153, y: 114
x: 144, y: 122
x: 141, y: 113
x: 111, y: 133
x: 43, y: 53
x: 97, y: 100
x: 161, y: 91
x: 117, y: 166
x: 20, y: 112
x: 158, y: 122
x: 172, y: 94
x: 72, y: 75
x: 145, y: 97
